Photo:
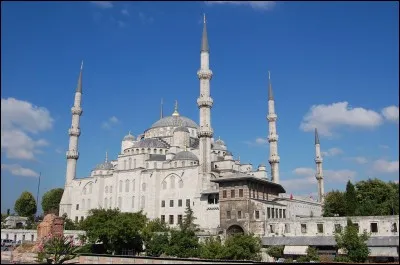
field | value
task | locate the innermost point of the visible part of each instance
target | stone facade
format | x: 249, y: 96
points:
x: 51, y: 224
x: 26, y: 235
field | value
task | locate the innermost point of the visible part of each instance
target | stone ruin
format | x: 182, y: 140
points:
x: 51, y: 224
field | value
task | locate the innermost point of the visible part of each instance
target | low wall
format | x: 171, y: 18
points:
x: 108, y: 259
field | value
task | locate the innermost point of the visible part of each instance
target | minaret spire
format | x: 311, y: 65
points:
x: 72, y: 153
x: 161, y: 110
x: 204, y: 102
x: 319, y: 174
x: 106, y: 157
x: 176, y: 113
x: 273, y: 136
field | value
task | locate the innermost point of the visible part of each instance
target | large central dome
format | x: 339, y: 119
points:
x: 175, y: 121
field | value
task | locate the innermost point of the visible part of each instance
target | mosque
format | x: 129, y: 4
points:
x: 177, y: 163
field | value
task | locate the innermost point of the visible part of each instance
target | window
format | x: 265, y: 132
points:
x: 394, y: 228
x: 284, y: 213
x: 171, y: 219
x: 124, y: 164
x: 239, y: 215
x: 180, y: 184
x: 271, y: 229
x: 187, y: 202
x: 163, y: 218
x: 155, y: 164
x: 268, y: 212
x: 130, y: 163
x: 374, y: 227
x: 228, y: 214
x: 320, y: 228
x: 179, y: 219
x: 179, y: 203
x: 81, y: 218
x: 133, y: 185
x: 127, y: 185
x: 32, y: 237
x: 273, y: 213
x: 172, y: 182
x: 77, y: 206
x: 134, y: 162
x: 84, y: 191
x: 171, y: 203
x: 76, y: 219
x: 83, y: 204
x: 303, y: 228
x: 254, y: 193
x: 240, y: 192
x: 356, y: 226
x: 257, y: 214
x: 338, y: 228
x: 111, y: 203
x: 163, y: 203
x: 287, y: 228
x: 143, y: 186
x: 120, y: 186
x: 175, y: 164
x: 88, y: 204
x: 143, y: 202
x: 224, y: 194
x: 23, y: 237
x: 133, y: 201
x: 6, y: 236
x: 164, y: 185
x: 119, y: 202
x: 232, y: 193
x: 147, y: 165
x: 280, y: 213
x: 213, y: 199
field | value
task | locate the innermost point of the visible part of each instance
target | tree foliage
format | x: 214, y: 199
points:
x: 114, y: 229
x: 372, y: 197
x: 25, y: 205
x: 275, y: 251
x: 155, y: 237
x: 212, y: 248
x: 51, y: 201
x: 183, y: 244
x: 353, y: 243
x: 57, y: 249
x: 242, y: 247
x: 189, y: 220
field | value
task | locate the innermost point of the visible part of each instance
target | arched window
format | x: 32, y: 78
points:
x: 130, y: 163
x: 143, y: 202
x: 180, y: 183
x: 106, y: 189
x: 183, y: 163
x: 175, y: 164
x: 155, y: 164
x: 155, y: 151
x: 172, y: 178
x: 143, y: 186
x: 120, y: 186
x: 105, y: 203
x: 133, y: 202
x: 160, y: 151
x: 111, y: 203
x: 147, y: 165
x: 191, y: 163
x: 133, y: 185
x: 88, y: 204
x: 164, y: 185
x: 83, y: 204
x: 120, y: 203
x: 127, y: 185
x: 110, y: 189
x: 84, y: 190
x: 124, y: 164
x: 134, y: 163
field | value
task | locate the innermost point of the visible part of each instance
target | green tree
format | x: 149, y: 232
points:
x: 242, y: 247
x: 155, y: 237
x: 312, y: 254
x: 333, y: 205
x: 183, y: 244
x: 114, y: 229
x: 351, y: 199
x: 25, y: 205
x: 188, y: 220
x: 51, y: 201
x: 212, y: 248
x: 352, y: 243
x: 275, y: 251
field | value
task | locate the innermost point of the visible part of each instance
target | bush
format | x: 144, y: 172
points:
x: 342, y: 259
x: 275, y: 251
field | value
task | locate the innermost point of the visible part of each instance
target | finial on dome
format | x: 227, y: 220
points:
x: 82, y: 65
x: 185, y: 147
x: 176, y: 113
x: 204, y: 18
x: 106, y: 157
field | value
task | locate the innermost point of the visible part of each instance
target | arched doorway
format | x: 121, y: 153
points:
x: 234, y: 230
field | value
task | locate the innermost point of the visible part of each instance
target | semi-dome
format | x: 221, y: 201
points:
x: 181, y: 129
x: 216, y: 146
x: 129, y: 137
x: 175, y: 121
x: 185, y: 155
x: 104, y: 166
x: 150, y: 143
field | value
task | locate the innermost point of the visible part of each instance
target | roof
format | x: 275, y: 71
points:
x: 241, y: 176
x: 204, y: 39
x: 129, y: 137
x: 185, y: 155
x: 216, y: 146
x: 104, y: 166
x: 175, y: 121
x: 150, y: 143
x: 79, y: 86
x: 181, y: 129
x: 325, y: 241
x: 16, y: 218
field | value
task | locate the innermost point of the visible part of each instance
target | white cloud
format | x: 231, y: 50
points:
x: 308, y: 178
x: 359, y: 159
x: 260, y: 5
x: 110, y: 122
x: 18, y: 118
x: 333, y: 152
x: 103, y: 4
x: 326, y: 118
x: 391, y: 113
x: 125, y: 12
x: 17, y: 170
x: 145, y: 18
x: 259, y: 141
x: 384, y: 166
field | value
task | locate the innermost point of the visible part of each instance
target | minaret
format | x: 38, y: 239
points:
x: 72, y: 153
x: 318, y: 161
x: 205, y: 102
x: 273, y: 136
x: 161, y: 109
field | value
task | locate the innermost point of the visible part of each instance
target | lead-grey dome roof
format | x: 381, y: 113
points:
x: 150, y: 143
x: 216, y: 146
x: 175, y: 121
x: 129, y: 137
x: 220, y: 142
x: 185, y: 155
x: 104, y: 166
x: 181, y: 129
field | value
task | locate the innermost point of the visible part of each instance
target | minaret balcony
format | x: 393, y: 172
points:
x: 74, y: 131
x: 273, y: 138
x: 204, y: 74
x: 205, y: 132
x: 274, y: 159
x: 205, y: 102
x: 76, y: 110
x: 319, y: 177
x: 272, y: 117
x: 318, y: 160
x: 72, y: 154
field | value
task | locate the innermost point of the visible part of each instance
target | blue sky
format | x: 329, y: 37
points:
x: 333, y: 65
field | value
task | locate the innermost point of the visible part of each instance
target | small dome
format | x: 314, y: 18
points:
x: 185, y: 155
x: 104, y: 166
x: 228, y: 153
x: 220, y: 142
x: 129, y: 137
x: 217, y: 146
x: 261, y: 165
x: 181, y: 129
x: 174, y: 121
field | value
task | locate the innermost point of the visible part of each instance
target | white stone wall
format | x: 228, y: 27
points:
x: 31, y: 235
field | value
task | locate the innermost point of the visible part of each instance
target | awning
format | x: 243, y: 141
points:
x: 295, y: 250
x: 383, y: 252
